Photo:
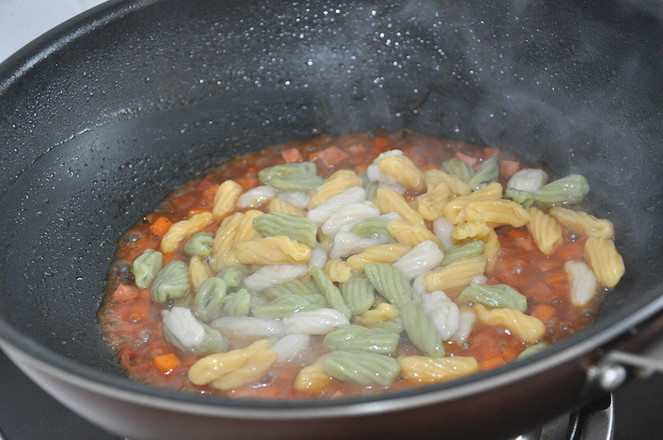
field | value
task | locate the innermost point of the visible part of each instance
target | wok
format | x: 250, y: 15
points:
x: 102, y: 117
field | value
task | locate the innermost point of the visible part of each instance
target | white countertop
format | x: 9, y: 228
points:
x: 21, y: 21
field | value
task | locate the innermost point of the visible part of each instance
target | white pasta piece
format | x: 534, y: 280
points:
x: 466, y: 321
x: 443, y: 229
x: 418, y: 284
x: 249, y: 326
x: 528, y: 179
x: 295, y: 198
x: 344, y: 218
x: 289, y: 346
x: 257, y: 197
x: 268, y: 276
x: 375, y: 174
x: 420, y: 259
x: 184, y: 326
x: 347, y: 243
x: 326, y: 209
x: 314, y: 322
x: 318, y: 257
x: 582, y: 281
x: 442, y: 312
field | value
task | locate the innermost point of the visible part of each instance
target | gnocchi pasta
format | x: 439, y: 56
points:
x: 320, y: 274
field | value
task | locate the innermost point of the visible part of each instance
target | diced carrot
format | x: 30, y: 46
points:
x: 540, y: 292
x: 247, y: 182
x: 429, y: 166
x: 357, y: 149
x: 491, y: 363
x: 160, y: 226
x: 330, y: 156
x: 291, y: 155
x: 360, y: 168
x: 508, y: 168
x: 522, y: 239
x: 166, y: 363
x: 465, y: 158
x: 196, y: 211
x: 210, y: 192
x: 268, y: 391
x: 380, y: 144
x: 549, y: 263
x: 543, y: 312
x: 125, y: 293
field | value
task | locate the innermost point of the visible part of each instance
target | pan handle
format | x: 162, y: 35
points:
x: 638, y: 356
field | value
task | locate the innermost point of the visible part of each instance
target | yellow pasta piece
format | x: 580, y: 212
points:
x: 338, y: 270
x: 480, y: 231
x: 546, y: 232
x: 383, y: 253
x: 278, y: 205
x: 338, y: 182
x: 183, y: 229
x: 404, y: 171
x: 225, y: 198
x: 604, y: 260
x: 583, y: 223
x: 278, y: 249
x: 454, y: 210
x: 223, y: 253
x: 245, y: 230
x: 233, y: 368
x: 425, y: 369
x: 388, y: 200
x: 454, y: 277
x: 312, y: 378
x: 431, y: 204
x: 380, y: 313
x: 199, y: 271
x: 526, y: 327
x: 411, y: 235
x: 325, y: 241
x: 456, y: 186
x: 496, y: 213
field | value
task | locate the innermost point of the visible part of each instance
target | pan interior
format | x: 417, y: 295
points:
x: 104, y: 119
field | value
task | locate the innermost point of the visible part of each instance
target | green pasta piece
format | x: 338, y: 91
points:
x: 370, y: 187
x: 458, y: 168
x: 302, y: 287
x: 199, y: 245
x: 282, y: 307
x: 276, y: 291
x: 361, y: 367
x: 420, y: 330
x: 213, y: 342
x: 208, y: 302
x: 389, y: 282
x: 267, y: 174
x: 316, y: 300
x: 146, y: 267
x: 533, y: 349
x: 567, y: 190
x: 331, y: 293
x: 373, y: 228
x: 358, y: 293
x: 233, y: 276
x: 525, y: 198
x: 393, y: 325
x: 172, y: 282
x: 237, y: 303
x: 297, y: 182
x: 468, y: 249
x: 487, y: 173
x: 356, y: 337
x: 493, y: 295
x: 292, y: 226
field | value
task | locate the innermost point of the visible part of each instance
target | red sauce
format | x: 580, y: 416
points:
x: 132, y: 322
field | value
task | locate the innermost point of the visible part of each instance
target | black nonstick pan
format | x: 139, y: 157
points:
x: 102, y: 117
